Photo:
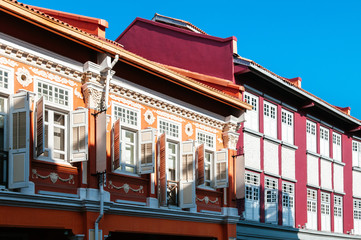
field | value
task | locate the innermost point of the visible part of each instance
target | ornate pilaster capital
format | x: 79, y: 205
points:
x: 93, y: 95
x: 230, y: 140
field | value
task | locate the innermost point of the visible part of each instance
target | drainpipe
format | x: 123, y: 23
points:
x: 109, y: 77
x: 101, y: 175
x: 96, y: 231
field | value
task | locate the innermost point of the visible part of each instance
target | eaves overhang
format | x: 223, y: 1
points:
x: 62, y: 29
x: 292, y: 88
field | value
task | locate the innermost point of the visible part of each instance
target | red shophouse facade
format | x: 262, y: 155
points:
x: 301, y: 154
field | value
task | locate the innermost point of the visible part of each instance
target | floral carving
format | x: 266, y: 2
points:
x: 9, y: 62
x: 170, y: 116
x: 125, y: 101
x: 53, y: 77
x: 189, y: 129
x: 23, y: 76
x: 77, y: 93
x: 125, y: 187
x: 205, y: 128
x: 53, y: 177
x: 149, y: 117
x: 207, y: 200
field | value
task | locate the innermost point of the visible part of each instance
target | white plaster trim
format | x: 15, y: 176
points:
x: 253, y: 169
x: 313, y: 153
x: 338, y: 192
x: 53, y: 177
x: 326, y: 158
x: 326, y: 189
x: 356, y: 169
x: 339, y: 162
x: 272, y: 174
x: 207, y: 200
x: 286, y: 144
x: 248, y: 130
x: 272, y: 139
x: 131, y: 202
x: 312, y: 186
x: 59, y: 194
x: 288, y: 179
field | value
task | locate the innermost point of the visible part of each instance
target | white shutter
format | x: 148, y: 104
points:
x: 19, y: 140
x: 256, y: 208
x: 187, y: 189
x: 221, y: 169
x: 271, y: 205
x: 146, y: 164
x: 40, y: 131
x: 79, y: 135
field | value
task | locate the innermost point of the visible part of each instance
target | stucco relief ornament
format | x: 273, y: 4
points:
x: 189, y: 129
x: 149, y: 117
x: 23, y: 76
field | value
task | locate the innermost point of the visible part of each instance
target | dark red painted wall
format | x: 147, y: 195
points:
x: 180, y: 48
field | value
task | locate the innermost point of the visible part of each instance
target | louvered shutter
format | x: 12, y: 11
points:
x: 79, y: 135
x: 146, y: 164
x: 116, y: 145
x: 187, y: 188
x: 101, y: 143
x: 200, y: 164
x: 19, y: 140
x: 221, y: 169
x: 162, y: 170
x: 40, y: 131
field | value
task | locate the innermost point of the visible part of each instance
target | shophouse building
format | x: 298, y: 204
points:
x: 301, y: 154
x: 98, y: 142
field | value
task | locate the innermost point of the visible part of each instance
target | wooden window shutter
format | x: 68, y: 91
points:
x: 116, y: 145
x: 19, y: 140
x: 40, y: 131
x: 162, y: 170
x: 200, y: 164
x: 187, y: 190
x: 79, y: 135
x: 146, y: 151
x: 221, y: 169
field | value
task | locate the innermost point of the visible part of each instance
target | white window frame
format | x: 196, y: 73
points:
x: 324, y: 141
x: 356, y: 153
x: 252, y: 191
x: 252, y: 116
x: 271, y: 199
x: 338, y: 214
x: 312, y: 217
x: 270, y: 119
x: 210, y: 151
x: 357, y: 216
x: 124, y: 126
x: 287, y: 123
x: 288, y: 204
x: 337, y: 146
x: 11, y: 77
x: 169, y: 136
x: 311, y: 133
x: 53, y: 107
x: 4, y: 114
x: 325, y: 212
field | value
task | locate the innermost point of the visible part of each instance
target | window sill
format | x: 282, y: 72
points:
x: 312, y: 186
x: 286, y: 144
x: 326, y: 158
x: 313, y: 153
x: 289, y: 179
x: 272, y: 139
x: 55, y: 162
x: 253, y: 169
x: 357, y: 169
x: 130, y: 202
x: 127, y: 174
x: 206, y: 188
x: 326, y: 189
x: 272, y: 174
x: 339, y: 162
x: 340, y: 193
x: 256, y: 133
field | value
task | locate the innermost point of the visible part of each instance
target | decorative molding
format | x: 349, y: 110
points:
x: 93, y: 96
x: 126, y: 101
x: 30, y: 59
x: 209, y: 129
x: 77, y: 93
x: 169, y: 116
x: 53, y: 177
x: 125, y: 187
x: 189, y: 129
x: 149, y: 117
x: 23, y: 76
x: 52, y: 77
x: 165, y: 106
x: 219, y: 140
x: 6, y: 61
x: 206, y: 199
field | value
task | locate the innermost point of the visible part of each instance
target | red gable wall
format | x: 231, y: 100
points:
x: 180, y: 48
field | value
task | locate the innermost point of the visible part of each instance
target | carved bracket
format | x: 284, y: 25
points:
x: 125, y: 187
x: 53, y: 177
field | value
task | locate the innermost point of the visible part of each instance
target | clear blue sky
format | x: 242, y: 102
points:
x: 319, y: 41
